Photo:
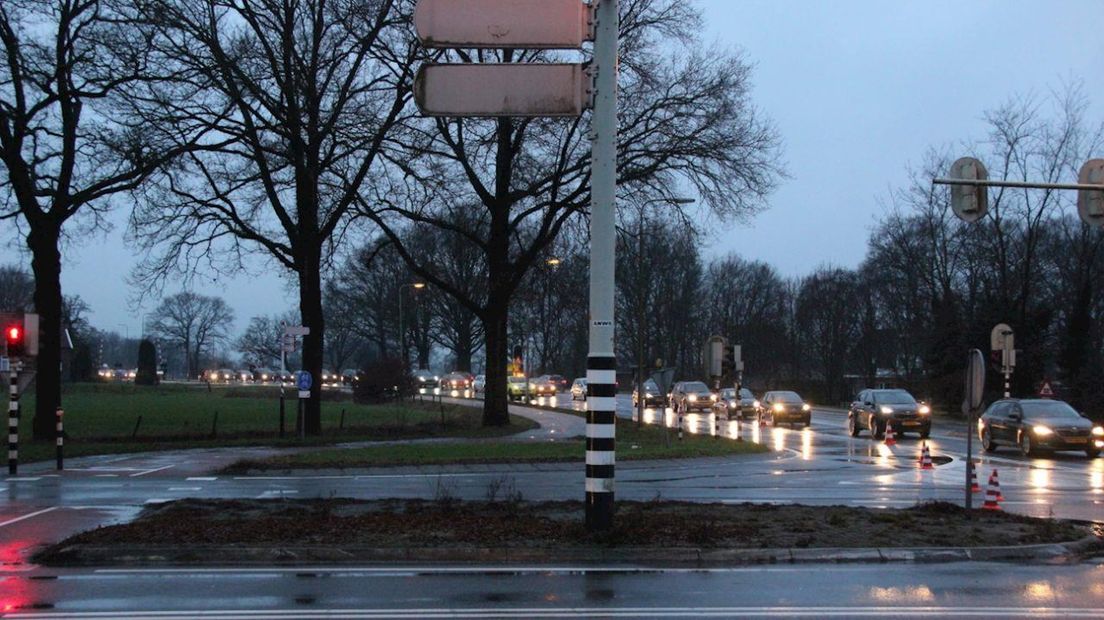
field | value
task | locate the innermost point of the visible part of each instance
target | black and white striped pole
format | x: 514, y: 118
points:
x: 601, y: 361
x: 13, y: 420
x: 60, y: 439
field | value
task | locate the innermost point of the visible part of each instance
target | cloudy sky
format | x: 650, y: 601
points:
x: 858, y: 90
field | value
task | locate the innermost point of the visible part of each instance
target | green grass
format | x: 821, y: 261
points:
x: 102, y: 418
x: 632, y: 443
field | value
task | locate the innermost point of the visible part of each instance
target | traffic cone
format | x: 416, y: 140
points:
x: 925, y: 458
x: 974, y: 486
x: 890, y: 436
x: 994, y: 481
x: 992, y: 494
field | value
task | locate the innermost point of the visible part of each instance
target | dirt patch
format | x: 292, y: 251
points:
x: 511, y: 523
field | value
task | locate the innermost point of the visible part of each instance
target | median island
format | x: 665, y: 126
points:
x: 506, y: 528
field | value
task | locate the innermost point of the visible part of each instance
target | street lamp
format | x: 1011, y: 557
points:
x: 642, y: 315
x: 402, y: 335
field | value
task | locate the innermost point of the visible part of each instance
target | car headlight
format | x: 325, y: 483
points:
x: 692, y: 398
x: 731, y: 403
x: 779, y: 407
x: 924, y: 409
x: 886, y: 410
x: 422, y: 379
x: 1098, y: 431
x: 805, y: 407
x: 648, y: 395
x: 1041, y: 430
x: 713, y: 397
x: 755, y: 404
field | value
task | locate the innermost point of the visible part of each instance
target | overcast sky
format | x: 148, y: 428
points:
x: 858, y: 90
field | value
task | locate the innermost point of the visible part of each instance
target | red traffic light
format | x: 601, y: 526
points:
x: 15, y: 333
x: 13, y: 338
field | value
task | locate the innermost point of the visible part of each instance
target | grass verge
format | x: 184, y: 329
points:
x: 120, y: 418
x: 646, y: 442
x: 506, y: 521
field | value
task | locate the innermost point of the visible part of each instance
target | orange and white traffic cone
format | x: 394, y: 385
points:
x: 925, y: 458
x: 992, y: 494
x: 994, y: 481
x: 890, y: 436
x: 974, y: 486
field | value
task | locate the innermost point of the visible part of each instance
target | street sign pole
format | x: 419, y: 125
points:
x: 975, y: 390
x: 601, y: 363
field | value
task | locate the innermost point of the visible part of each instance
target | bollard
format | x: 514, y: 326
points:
x: 60, y: 440
x: 137, y: 424
x: 716, y: 425
x: 341, y: 426
x: 13, y: 422
x: 681, y: 408
x: 281, y: 413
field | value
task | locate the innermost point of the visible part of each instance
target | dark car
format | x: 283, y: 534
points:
x: 560, y: 381
x: 692, y: 395
x: 1038, y: 425
x: 727, y: 404
x: 425, y: 382
x: 653, y: 396
x: 784, y: 407
x: 874, y: 410
x: 542, y: 386
x: 456, y: 381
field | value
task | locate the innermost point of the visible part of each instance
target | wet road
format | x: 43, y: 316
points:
x: 884, y: 591
x: 818, y: 465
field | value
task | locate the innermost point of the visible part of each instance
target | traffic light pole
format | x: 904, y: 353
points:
x: 13, y: 419
x: 601, y: 360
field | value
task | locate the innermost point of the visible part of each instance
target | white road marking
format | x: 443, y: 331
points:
x: 28, y: 516
x: 184, y: 488
x: 26, y: 479
x: 157, y: 500
x: 106, y: 476
x: 590, y: 612
x: 150, y: 471
x: 201, y: 478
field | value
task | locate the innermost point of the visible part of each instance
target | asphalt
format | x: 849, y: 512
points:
x: 818, y: 465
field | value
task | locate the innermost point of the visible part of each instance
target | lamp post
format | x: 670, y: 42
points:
x: 641, y: 300
x: 402, y: 335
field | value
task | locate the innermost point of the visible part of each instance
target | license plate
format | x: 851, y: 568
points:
x: 1077, y: 440
x: 911, y: 423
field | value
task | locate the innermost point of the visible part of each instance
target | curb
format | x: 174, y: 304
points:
x: 198, y: 555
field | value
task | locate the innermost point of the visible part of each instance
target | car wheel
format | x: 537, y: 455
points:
x: 1026, y: 448
x: 808, y: 422
x: 853, y: 426
x: 987, y: 440
x: 924, y: 434
x: 1092, y: 453
x: 876, y: 430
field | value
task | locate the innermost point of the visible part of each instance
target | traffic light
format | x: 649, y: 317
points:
x: 728, y: 360
x: 15, y: 339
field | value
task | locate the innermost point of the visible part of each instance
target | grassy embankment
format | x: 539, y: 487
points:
x: 119, y: 418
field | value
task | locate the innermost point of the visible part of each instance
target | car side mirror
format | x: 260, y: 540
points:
x: 1015, y: 416
x: 1085, y: 415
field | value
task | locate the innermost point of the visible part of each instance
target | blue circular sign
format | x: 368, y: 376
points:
x: 303, y: 380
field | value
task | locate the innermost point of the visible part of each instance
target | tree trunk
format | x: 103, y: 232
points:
x: 495, y: 402
x: 46, y: 263
x: 310, y: 309
x: 464, y: 347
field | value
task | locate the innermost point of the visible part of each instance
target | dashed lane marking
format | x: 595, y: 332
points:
x: 150, y: 471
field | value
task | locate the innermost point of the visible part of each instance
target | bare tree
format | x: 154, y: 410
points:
x: 260, y: 343
x: 195, y: 323
x: 685, y: 119
x: 16, y: 289
x: 310, y: 92
x: 826, y: 324
x: 69, y: 142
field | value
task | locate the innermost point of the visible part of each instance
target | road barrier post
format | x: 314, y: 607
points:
x: 60, y: 439
x: 681, y: 409
x: 13, y: 421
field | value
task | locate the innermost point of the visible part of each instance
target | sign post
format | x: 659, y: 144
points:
x: 547, y: 90
x: 1002, y: 339
x: 975, y: 391
x: 303, y: 381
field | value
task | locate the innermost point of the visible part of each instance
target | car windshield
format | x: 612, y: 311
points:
x: 1048, y: 410
x: 650, y: 386
x: 746, y: 393
x: 695, y: 386
x: 894, y: 397
x: 728, y: 393
x: 516, y: 379
x: 786, y: 397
